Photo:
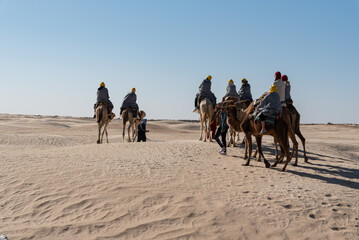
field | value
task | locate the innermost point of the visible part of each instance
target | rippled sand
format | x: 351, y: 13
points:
x: 57, y: 183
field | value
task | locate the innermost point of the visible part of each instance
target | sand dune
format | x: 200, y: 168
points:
x: 57, y: 183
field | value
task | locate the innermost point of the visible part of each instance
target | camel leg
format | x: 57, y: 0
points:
x: 209, y: 129
x: 259, y: 159
x: 106, y: 136
x: 249, y: 144
x: 123, y: 132
x: 128, y: 132
x: 205, y: 130
x: 299, y: 134
x: 259, y: 149
x: 282, y: 155
x: 286, y: 150
x: 255, y: 153
x: 295, y: 148
x: 133, y: 132
x: 288, y: 122
x: 245, y: 150
x: 99, y: 132
x: 229, y: 136
x: 234, y: 138
x: 105, y: 130
x: 200, y: 138
x: 276, y: 148
x: 243, y: 141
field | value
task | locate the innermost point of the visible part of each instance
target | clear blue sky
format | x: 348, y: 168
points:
x: 54, y: 54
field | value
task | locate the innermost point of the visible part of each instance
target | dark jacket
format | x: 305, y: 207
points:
x: 245, y: 91
x: 222, y: 121
x: 205, y: 91
x: 130, y: 101
x: 103, y: 97
x: 141, y: 133
x: 287, y: 91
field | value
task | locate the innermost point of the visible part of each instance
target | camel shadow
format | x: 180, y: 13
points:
x: 324, y: 171
x: 339, y: 171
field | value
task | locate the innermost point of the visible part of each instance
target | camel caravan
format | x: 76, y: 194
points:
x: 129, y: 113
x: 272, y: 114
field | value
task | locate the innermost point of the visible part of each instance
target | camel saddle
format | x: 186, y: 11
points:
x: 100, y: 104
x: 133, y: 111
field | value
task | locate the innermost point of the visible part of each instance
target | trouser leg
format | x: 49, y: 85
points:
x: 224, y: 136
x: 216, y: 137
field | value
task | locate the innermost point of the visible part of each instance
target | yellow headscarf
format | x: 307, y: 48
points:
x: 230, y: 81
x: 133, y: 90
x: 209, y: 77
x: 102, y: 84
x: 273, y: 88
x: 244, y: 80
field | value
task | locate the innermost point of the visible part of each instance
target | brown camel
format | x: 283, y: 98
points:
x: 102, y: 121
x: 232, y: 132
x: 243, y: 104
x: 295, y: 121
x: 235, y: 117
x: 206, y: 112
x: 127, y: 116
x: 279, y: 131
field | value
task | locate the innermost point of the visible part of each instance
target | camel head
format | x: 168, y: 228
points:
x: 244, y: 103
x: 112, y: 116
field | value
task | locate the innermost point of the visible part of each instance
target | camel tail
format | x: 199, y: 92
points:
x: 99, y: 116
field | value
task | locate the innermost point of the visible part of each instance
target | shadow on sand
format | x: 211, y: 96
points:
x: 324, y: 169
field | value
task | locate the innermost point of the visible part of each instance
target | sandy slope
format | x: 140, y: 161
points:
x: 57, y: 183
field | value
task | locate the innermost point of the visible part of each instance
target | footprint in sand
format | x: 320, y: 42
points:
x: 328, y: 195
x: 312, y: 215
x: 337, y: 228
x: 288, y: 206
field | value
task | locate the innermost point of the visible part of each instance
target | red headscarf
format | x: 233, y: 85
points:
x: 277, y: 75
x: 284, y: 78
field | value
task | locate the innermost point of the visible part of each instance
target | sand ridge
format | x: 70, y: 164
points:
x: 57, y: 183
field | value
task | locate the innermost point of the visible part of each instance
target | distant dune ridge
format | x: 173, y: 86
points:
x: 57, y: 183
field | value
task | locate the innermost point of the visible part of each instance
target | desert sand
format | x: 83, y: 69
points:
x: 57, y: 183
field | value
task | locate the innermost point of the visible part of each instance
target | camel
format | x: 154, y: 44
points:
x: 235, y: 117
x: 102, y: 121
x: 243, y: 104
x: 279, y: 131
x: 295, y: 121
x: 127, y: 116
x: 206, y: 112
